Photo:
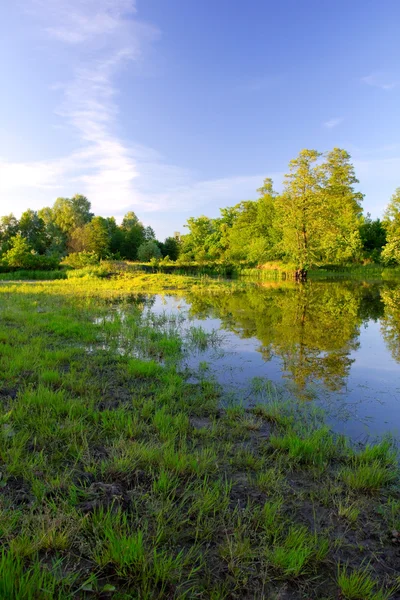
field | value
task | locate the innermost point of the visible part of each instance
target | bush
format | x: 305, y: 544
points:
x: 148, y: 250
x: 79, y: 260
x: 21, y: 256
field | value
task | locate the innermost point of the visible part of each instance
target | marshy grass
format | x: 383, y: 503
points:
x: 121, y: 478
x: 358, y: 584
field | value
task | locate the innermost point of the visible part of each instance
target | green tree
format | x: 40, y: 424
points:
x: 149, y: 233
x: 98, y: 236
x: 319, y: 210
x: 391, y: 223
x: 253, y: 236
x: 56, y: 239
x: 171, y: 248
x: 301, y: 214
x: 148, y: 250
x: 341, y: 241
x: 33, y: 229
x: 133, y: 236
x: 116, y: 236
x: 373, y: 237
x: 70, y: 213
x: 20, y: 255
x: 9, y: 227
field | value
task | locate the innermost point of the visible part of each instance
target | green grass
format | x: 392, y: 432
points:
x: 359, y: 585
x: 298, y: 552
x: 316, y: 447
x: 120, y: 477
x: 368, y: 477
x: 33, y: 275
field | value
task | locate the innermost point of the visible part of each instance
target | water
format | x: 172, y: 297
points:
x: 333, y: 343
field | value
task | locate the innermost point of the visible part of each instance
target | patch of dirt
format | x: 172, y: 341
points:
x: 103, y: 495
x: 17, y: 491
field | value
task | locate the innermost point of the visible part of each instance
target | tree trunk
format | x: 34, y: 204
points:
x: 301, y: 275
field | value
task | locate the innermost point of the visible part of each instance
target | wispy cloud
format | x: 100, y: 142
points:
x: 331, y: 123
x: 382, y: 81
x: 107, y: 37
x: 102, y: 37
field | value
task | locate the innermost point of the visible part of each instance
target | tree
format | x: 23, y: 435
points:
x: 8, y: 229
x: 373, y: 237
x: 341, y: 241
x: 33, y: 229
x: 70, y: 213
x: 391, y: 223
x: 253, y: 236
x: 319, y: 210
x: 116, y: 236
x: 56, y: 239
x: 20, y: 253
x: 98, y: 236
x: 148, y: 250
x: 197, y: 243
x: 171, y: 248
x: 301, y: 214
x: 149, y: 233
x: 133, y: 236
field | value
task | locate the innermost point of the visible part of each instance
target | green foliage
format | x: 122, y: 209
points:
x: 78, y: 260
x: 148, y: 250
x: 391, y: 223
x: 373, y: 237
x: 318, y: 210
x: 170, y: 248
x: 22, y: 256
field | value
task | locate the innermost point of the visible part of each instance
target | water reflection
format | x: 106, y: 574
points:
x: 337, y: 343
x: 313, y: 328
x: 390, y: 323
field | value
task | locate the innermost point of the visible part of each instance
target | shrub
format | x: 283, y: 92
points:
x: 78, y: 260
x: 148, y: 250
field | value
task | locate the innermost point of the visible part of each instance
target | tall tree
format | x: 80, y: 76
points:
x: 391, y: 223
x: 171, y: 248
x: 301, y: 214
x: 33, y: 229
x: 9, y: 227
x: 70, y: 213
x: 341, y: 240
x: 98, y: 236
x: 373, y: 237
x: 319, y: 210
x: 133, y: 236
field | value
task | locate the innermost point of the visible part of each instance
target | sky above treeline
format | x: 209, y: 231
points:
x: 178, y: 108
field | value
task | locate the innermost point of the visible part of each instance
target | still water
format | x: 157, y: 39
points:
x: 333, y: 343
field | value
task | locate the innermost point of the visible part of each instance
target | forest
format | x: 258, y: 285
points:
x: 316, y: 220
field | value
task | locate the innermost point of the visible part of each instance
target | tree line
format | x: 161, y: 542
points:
x: 40, y: 239
x: 316, y: 220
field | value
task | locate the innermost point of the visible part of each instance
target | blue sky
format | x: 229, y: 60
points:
x: 177, y: 108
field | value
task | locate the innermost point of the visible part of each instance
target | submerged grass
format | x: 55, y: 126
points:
x: 120, y: 478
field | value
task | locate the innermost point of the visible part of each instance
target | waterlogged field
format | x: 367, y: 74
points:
x: 334, y: 343
x: 128, y: 471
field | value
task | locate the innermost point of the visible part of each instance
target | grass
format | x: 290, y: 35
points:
x: 359, y: 585
x: 122, y: 478
x: 368, y: 477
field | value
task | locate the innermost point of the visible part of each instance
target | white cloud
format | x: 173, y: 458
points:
x: 102, y: 37
x: 382, y: 81
x: 333, y: 122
